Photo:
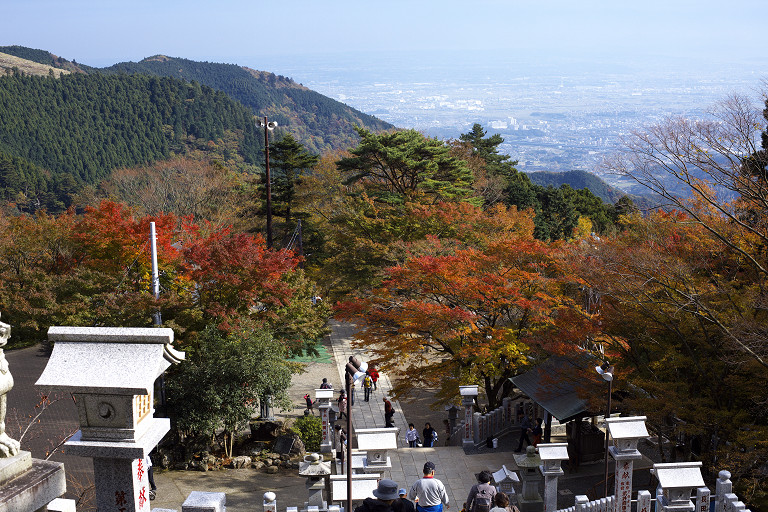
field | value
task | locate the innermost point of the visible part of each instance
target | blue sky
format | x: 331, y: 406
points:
x: 104, y: 32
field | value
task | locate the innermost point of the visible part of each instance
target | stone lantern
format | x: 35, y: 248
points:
x: 528, y: 464
x: 315, y: 469
x: 111, y: 373
x: 552, y: 455
x: 505, y: 480
x: 625, y: 432
x: 677, y: 481
x: 324, y: 397
x: 468, y: 395
x: 373, y: 445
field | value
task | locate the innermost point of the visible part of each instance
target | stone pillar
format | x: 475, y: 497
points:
x: 643, y: 501
x: 723, y: 486
x: 476, y: 427
x: 506, y: 404
x: 580, y: 503
x: 468, y: 394
x: 552, y: 455
x: 703, y: 495
x: 323, y: 397
x: 626, y: 433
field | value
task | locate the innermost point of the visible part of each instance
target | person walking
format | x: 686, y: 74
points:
x: 525, y: 429
x: 429, y: 492
x: 310, y: 404
x: 403, y: 504
x: 326, y: 384
x: 389, y: 413
x: 429, y: 436
x: 538, y: 432
x: 339, y: 440
x: 480, y: 498
x: 342, y: 401
x: 385, y: 495
x: 412, y: 435
x: 150, y: 477
x: 374, y: 373
x: 501, y: 502
x: 367, y: 386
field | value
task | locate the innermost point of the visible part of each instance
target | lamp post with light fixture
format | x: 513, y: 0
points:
x: 606, y: 372
x: 268, y: 126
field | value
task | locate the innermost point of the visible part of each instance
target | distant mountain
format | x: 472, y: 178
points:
x: 577, y: 180
x: 317, y: 121
x: 43, y: 57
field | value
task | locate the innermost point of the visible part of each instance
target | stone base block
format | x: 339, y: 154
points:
x: 35, y: 488
x: 524, y: 505
x: 198, y: 501
x: 11, y: 467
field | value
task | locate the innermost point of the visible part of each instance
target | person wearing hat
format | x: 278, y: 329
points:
x: 429, y: 492
x: 386, y: 494
x: 403, y: 504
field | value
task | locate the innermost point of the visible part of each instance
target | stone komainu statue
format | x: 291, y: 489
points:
x: 8, y: 447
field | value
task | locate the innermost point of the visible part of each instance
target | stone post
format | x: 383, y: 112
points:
x: 111, y: 373
x: 626, y: 433
x: 580, y: 503
x: 723, y: 486
x: 506, y: 404
x: 552, y: 455
x: 476, y: 427
x: 468, y: 394
x: 643, y: 501
x: 323, y: 397
x: 677, y: 481
x: 270, y: 502
x: 703, y: 495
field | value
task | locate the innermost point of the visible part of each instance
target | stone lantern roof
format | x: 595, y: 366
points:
x: 108, y: 360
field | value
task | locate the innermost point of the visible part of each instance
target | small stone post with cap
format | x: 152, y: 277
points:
x: 626, y: 433
x: 677, y: 481
x: 552, y: 455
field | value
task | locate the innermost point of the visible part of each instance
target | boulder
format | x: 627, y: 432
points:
x: 272, y: 470
x: 265, y: 430
x: 257, y: 464
x: 240, y: 461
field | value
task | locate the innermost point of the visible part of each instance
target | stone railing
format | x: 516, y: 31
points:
x: 498, y: 421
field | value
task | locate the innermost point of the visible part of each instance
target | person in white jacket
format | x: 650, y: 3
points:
x: 429, y: 492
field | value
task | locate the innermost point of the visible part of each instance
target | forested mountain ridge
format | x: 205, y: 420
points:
x: 57, y: 134
x: 578, y: 179
x: 318, y: 122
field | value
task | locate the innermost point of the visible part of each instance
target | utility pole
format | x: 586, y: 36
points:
x: 268, y: 126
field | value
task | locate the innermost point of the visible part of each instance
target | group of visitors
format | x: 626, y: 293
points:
x: 429, y: 495
x: 430, y: 435
x: 527, y: 428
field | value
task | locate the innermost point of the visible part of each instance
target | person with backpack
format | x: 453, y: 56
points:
x: 367, y: 385
x: 326, y: 384
x: 374, y: 373
x: 310, y: 404
x: 430, y: 436
x: 480, y: 498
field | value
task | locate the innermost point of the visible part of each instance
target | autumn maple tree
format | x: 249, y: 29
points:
x: 468, y: 308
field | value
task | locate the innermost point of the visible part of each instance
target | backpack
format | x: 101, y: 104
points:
x: 368, y: 382
x: 481, y: 502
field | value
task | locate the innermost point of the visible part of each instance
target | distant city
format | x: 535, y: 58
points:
x: 552, y: 117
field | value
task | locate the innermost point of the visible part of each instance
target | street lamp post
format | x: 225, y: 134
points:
x: 606, y: 372
x: 355, y: 370
x: 268, y: 126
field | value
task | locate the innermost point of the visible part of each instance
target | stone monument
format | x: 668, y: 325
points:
x: 323, y: 398
x: 316, y: 470
x: 677, y: 481
x: 26, y: 484
x: 111, y: 373
x: 626, y: 433
x: 552, y: 455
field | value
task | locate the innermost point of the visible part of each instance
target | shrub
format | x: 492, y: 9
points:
x: 310, y: 431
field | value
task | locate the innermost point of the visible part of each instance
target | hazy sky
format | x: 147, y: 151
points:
x: 104, y: 32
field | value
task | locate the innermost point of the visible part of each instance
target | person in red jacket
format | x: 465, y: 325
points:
x: 374, y: 373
